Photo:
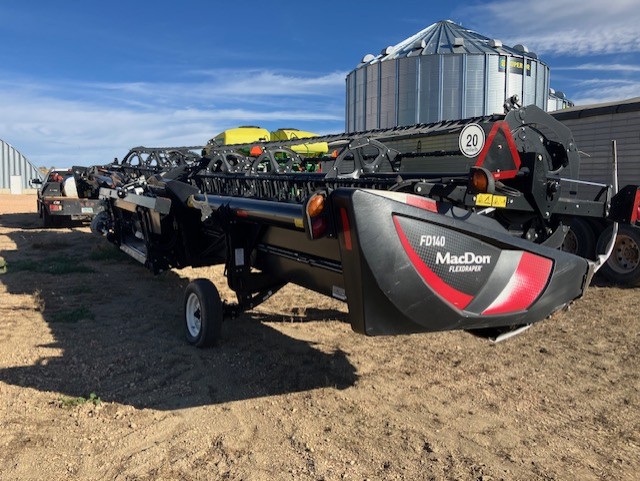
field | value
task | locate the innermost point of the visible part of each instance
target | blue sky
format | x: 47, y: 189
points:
x: 81, y: 82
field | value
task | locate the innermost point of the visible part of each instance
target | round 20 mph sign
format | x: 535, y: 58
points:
x: 471, y: 140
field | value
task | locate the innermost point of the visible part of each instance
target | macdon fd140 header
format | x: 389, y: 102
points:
x: 454, y: 225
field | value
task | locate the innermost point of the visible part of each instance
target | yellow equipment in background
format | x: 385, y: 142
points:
x: 251, y: 134
x: 242, y: 135
x: 310, y: 150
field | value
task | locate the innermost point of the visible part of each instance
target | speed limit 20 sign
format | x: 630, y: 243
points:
x: 471, y: 140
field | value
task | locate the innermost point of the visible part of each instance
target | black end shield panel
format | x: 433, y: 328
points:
x: 412, y: 266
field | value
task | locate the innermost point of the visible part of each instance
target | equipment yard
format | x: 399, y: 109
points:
x: 97, y: 381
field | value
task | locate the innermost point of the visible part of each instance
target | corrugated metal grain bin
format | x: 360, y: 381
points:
x: 444, y: 72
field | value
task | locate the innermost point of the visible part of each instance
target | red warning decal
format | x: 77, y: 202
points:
x: 503, y: 163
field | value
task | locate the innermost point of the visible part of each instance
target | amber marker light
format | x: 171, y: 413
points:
x: 316, y: 222
x: 482, y: 180
x: 315, y: 206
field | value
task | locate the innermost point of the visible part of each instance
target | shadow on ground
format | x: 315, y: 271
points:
x: 117, y: 331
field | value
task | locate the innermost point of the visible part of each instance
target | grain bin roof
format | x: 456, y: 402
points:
x: 446, y: 37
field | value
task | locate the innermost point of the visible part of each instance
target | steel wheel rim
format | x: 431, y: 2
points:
x: 625, y: 255
x: 193, y: 315
x: 570, y: 242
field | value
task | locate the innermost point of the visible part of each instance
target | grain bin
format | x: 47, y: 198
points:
x: 444, y: 72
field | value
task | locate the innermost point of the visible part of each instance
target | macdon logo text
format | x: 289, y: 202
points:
x: 467, y: 262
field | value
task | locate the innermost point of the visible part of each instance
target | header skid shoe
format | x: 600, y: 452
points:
x: 411, y: 264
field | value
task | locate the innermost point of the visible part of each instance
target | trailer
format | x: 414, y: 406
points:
x: 409, y: 250
x: 594, y: 127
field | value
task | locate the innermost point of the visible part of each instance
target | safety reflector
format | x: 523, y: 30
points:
x: 503, y: 163
x: 635, y: 213
x: 524, y: 287
x: 346, y: 229
x: 410, y: 199
x: 422, y: 203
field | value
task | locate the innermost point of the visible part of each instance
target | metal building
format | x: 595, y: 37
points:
x: 16, y: 171
x: 594, y: 127
x: 444, y: 72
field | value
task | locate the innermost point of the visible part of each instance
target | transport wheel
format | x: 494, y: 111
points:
x: 99, y: 223
x: 202, y: 313
x: 623, y: 265
x: 580, y: 239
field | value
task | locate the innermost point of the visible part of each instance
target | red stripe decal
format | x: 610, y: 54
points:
x: 524, y: 287
x: 422, y: 203
x: 450, y: 294
x: 346, y: 229
x: 635, y: 213
x: 503, y: 174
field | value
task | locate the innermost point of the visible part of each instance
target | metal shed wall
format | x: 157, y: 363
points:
x: 12, y: 162
x: 594, y: 127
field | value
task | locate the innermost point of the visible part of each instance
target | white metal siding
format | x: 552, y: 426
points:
x: 13, y: 163
x: 593, y: 135
x: 475, y: 85
x: 373, y: 97
x: 388, y: 94
x: 542, y: 89
x: 515, y: 80
x: 529, y: 88
x: 452, y: 87
x: 407, y: 90
x: 495, y: 86
x: 360, y: 99
x: 429, y: 89
x: 351, y: 118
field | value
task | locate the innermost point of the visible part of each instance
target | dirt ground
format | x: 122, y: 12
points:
x: 97, y: 382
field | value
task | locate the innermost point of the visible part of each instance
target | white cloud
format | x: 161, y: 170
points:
x: 614, y: 67
x: 599, y: 91
x: 246, y: 86
x: 67, y: 123
x: 575, y: 27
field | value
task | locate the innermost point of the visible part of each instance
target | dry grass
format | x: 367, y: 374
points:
x: 303, y: 400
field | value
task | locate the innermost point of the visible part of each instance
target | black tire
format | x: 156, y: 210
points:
x: 580, y: 239
x: 99, y: 223
x: 47, y: 221
x: 202, y: 313
x: 623, y: 266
